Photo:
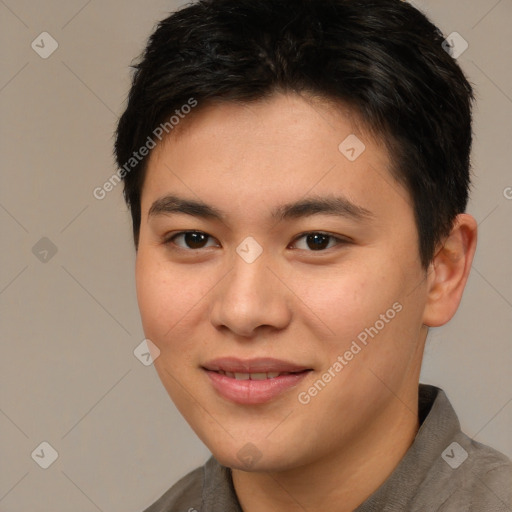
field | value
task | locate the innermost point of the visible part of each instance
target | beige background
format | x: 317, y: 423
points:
x: 70, y: 324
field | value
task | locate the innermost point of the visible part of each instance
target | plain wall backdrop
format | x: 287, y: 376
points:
x: 69, y: 317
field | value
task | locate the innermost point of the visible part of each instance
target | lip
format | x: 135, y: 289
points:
x: 255, y: 365
x: 251, y: 392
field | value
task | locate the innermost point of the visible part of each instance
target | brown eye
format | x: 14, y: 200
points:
x: 317, y: 241
x: 191, y: 240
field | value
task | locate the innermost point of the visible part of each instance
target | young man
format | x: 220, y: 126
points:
x: 297, y: 173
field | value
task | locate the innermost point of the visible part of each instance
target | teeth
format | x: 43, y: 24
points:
x: 252, y: 376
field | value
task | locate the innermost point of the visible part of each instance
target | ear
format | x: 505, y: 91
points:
x: 449, y: 270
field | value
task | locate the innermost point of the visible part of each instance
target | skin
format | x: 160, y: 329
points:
x: 292, y: 302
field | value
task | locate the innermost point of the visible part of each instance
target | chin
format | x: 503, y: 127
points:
x: 253, y: 457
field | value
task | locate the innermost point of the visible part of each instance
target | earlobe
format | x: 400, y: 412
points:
x: 449, y: 271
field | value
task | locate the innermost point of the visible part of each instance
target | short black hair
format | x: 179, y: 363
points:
x: 383, y: 59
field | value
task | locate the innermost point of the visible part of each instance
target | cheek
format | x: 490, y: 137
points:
x: 347, y: 300
x: 173, y: 303
x: 162, y: 296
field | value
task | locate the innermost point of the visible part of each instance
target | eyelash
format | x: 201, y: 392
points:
x: 339, y: 241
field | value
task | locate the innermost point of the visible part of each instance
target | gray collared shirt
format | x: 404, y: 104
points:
x: 443, y: 471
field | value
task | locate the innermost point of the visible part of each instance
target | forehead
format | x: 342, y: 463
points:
x: 271, y: 152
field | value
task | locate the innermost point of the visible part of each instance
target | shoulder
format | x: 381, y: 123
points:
x: 474, y: 478
x: 489, y: 474
x: 452, y: 472
x: 184, y: 496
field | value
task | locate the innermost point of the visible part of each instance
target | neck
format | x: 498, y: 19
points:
x: 346, y: 477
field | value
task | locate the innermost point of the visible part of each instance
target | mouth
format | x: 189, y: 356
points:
x: 255, y: 376
x: 254, y: 381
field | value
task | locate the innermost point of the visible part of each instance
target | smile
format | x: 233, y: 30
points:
x: 253, y: 376
x: 254, y: 381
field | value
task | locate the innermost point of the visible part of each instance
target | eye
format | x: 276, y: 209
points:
x: 191, y: 240
x: 313, y: 241
x: 317, y: 241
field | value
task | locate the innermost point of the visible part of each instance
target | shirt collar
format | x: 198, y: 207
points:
x: 439, y: 426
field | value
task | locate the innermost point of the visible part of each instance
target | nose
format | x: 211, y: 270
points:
x: 250, y: 300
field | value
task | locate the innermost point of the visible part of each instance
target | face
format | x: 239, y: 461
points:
x: 278, y: 274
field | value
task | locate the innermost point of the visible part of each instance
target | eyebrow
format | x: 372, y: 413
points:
x: 331, y: 205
